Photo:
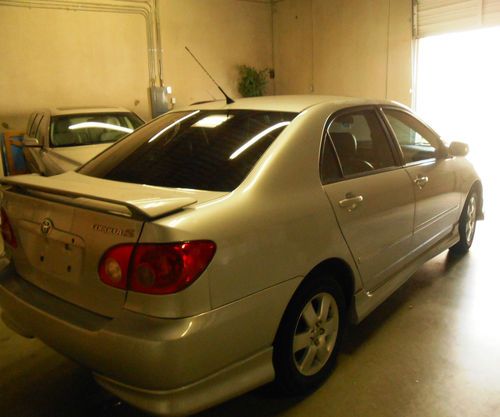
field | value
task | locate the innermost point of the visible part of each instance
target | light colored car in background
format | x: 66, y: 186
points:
x: 224, y: 246
x: 62, y: 139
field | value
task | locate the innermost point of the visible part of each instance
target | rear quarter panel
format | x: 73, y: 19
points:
x: 277, y: 226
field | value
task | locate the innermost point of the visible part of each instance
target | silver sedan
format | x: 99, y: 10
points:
x: 224, y: 246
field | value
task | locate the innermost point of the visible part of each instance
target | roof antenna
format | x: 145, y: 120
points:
x: 229, y: 100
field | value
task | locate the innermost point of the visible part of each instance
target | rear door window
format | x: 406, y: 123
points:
x: 30, y: 123
x: 35, y: 124
x: 360, y: 144
x: 205, y: 150
x: 41, y: 131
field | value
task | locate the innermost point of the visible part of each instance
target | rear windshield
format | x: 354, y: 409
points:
x: 89, y: 129
x: 204, y: 150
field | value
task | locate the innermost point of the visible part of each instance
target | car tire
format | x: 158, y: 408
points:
x: 308, y: 339
x: 467, y: 224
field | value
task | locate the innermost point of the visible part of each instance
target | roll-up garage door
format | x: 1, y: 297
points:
x: 435, y: 17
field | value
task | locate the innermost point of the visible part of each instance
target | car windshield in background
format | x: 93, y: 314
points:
x: 204, y: 150
x: 88, y: 129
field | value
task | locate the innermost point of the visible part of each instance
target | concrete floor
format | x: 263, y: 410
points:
x: 432, y: 349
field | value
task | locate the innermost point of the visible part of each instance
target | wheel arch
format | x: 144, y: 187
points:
x: 332, y: 271
x: 478, y: 187
x: 339, y: 270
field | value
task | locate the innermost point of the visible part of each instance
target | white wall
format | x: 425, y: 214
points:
x: 67, y: 58
x: 53, y: 58
x: 344, y: 47
x: 222, y: 34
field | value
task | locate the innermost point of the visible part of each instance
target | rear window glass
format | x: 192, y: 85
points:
x: 204, y: 150
x: 89, y: 129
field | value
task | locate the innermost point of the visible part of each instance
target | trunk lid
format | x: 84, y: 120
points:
x: 64, y: 224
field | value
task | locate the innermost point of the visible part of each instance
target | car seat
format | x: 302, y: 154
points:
x: 346, y: 146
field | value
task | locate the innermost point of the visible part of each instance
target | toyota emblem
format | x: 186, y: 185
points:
x: 46, y: 226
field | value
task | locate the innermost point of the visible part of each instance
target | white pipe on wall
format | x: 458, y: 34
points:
x: 149, y: 11
x: 159, y: 49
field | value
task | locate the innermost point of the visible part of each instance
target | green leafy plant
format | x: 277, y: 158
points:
x: 252, y: 82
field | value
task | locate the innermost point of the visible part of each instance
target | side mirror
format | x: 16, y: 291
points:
x: 31, y: 142
x: 458, y: 149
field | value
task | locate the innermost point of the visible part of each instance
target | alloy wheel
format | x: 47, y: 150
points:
x: 470, y: 223
x: 315, y: 333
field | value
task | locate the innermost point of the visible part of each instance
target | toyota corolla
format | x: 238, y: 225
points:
x: 224, y: 246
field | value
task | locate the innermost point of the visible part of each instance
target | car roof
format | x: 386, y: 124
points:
x: 287, y: 103
x: 60, y: 111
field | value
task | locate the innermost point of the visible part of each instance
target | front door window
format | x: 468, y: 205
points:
x: 417, y: 142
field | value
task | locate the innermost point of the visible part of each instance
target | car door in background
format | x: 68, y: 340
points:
x: 434, y: 180
x: 370, y: 193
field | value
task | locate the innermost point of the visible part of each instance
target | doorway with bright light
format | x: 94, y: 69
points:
x: 458, y: 93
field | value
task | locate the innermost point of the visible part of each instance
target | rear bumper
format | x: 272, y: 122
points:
x: 164, y: 366
x: 227, y: 383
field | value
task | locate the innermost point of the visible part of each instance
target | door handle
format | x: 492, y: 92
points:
x: 350, y: 202
x: 421, y: 180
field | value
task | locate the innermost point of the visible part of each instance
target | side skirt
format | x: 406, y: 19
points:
x: 366, y: 301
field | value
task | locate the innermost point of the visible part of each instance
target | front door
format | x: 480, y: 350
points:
x: 433, y: 177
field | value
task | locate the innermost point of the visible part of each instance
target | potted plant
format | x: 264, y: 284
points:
x: 252, y: 82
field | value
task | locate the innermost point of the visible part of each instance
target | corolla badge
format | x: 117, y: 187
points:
x: 113, y: 230
x: 46, y: 226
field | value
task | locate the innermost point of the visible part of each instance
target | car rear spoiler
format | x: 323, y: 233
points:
x: 147, y: 207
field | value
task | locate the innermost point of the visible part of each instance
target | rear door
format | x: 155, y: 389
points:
x: 434, y: 179
x: 370, y: 193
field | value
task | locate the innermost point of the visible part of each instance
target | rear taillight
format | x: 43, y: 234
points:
x: 114, y: 266
x: 7, y: 232
x: 156, y: 268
